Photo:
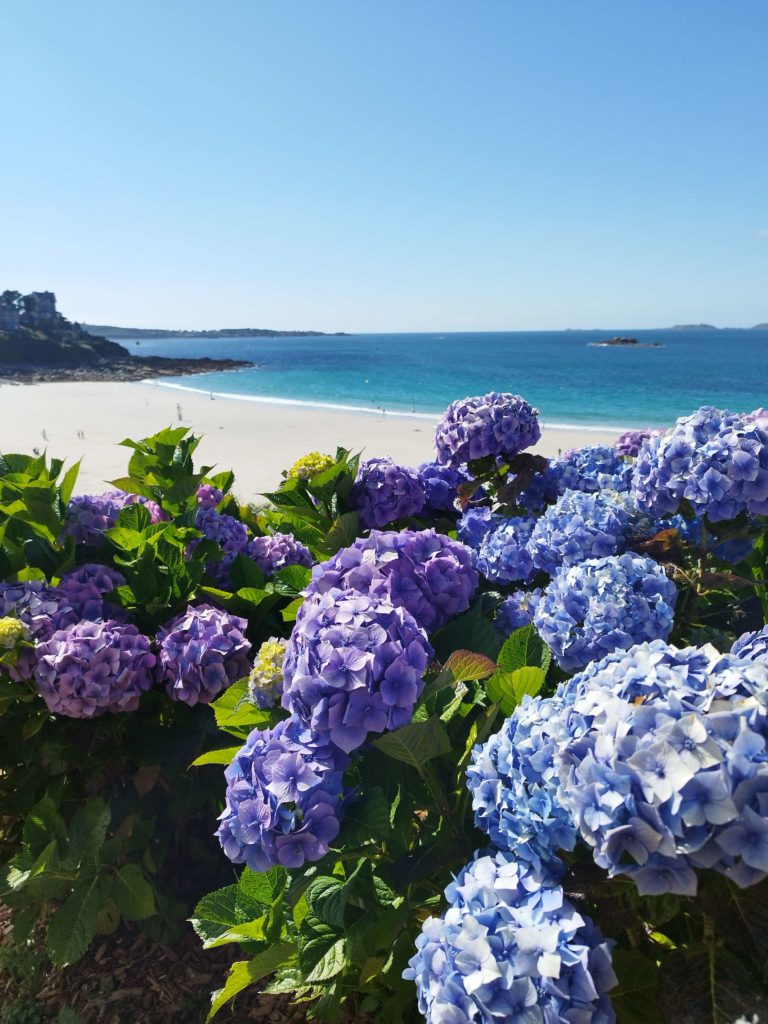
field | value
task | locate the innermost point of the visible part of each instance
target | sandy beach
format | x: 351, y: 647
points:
x: 256, y: 439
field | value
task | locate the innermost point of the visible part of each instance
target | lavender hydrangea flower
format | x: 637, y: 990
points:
x: 517, y: 610
x: 89, y: 516
x: 283, y: 798
x: 37, y: 605
x: 384, y: 492
x: 94, y: 667
x: 265, y: 683
x: 229, y: 533
x: 441, y: 485
x: 511, y: 948
x: 603, y: 605
x: 500, y: 425
x: 201, y: 653
x: 84, y: 590
x: 275, y: 551
x: 631, y: 441
x: 752, y: 645
x: 579, y: 526
x: 515, y: 786
x: 666, y: 767
x: 428, y: 574
x: 503, y: 553
x: 715, y: 460
x: 353, y: 666
x: 208, y: 496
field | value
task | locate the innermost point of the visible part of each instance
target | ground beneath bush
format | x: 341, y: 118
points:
x: 127, y: 978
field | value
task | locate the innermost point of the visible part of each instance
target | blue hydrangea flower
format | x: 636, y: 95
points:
x: 89, y: 516
x: 495, y: 424
x: 713, y: 459
x: 475, y: 524
x: 201, y: 653
x: 666, y: 768
x: 514, y: 785
x: 94, y: 667
x: 354, y: 665
x: 384, y: 492
x: 631, y: 441
x: 579, y: 526
x: 603, y: 605
x: 275, y: 551
x: 517, y: 610
x: 752, y: 645
x: 84, y: 590
x: 283, y: 798
x: 503, y: 554
x: 590, y: 469
x: 441, y: 485
x: 510, y: 948
x: 428, y: 574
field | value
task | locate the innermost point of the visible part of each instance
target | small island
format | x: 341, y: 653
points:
x: 38, y: 344
x: 225, y: 332
x: 624, y: 343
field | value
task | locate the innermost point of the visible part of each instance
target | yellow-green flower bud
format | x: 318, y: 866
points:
x: 310, y: 464
x: 12, y: 632
x: 266, y: 680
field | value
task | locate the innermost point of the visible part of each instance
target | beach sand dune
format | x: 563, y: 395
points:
x: 255, y: 439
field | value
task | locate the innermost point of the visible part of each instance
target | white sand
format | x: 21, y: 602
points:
x: 255, y: 439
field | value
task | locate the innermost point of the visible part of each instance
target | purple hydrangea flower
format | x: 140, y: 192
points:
x: 752, y: 645
x: 283, y: 798
x: 384, y: 492
x: 84, y: 589
x: 503, y: 554
x: 441, y: 485
x: 229, y: 533
x: 511, y: 948
x: 500, y: 425
x: 603, y: 605
x: 42, y: 611
x: 666, y: 765
x: 89, y: 516
x: 579, y: 526
x: 94, y: 667
x: 716, y: 461
x: 429, y: 575
x: 275, y: 551
x: 208, y: 496
x: 202, y: 652
x: 631, y: 441
x: 517, y: 610
x: 353, y: 666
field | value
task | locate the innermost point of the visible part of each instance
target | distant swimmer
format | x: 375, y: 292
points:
x: 179, y: 412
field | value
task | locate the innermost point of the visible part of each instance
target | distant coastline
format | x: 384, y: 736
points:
x: 226, y: 332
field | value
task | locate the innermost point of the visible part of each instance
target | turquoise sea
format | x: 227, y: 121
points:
x: 572, y: 383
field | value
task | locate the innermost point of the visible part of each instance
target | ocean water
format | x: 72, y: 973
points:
x: 572, y: 383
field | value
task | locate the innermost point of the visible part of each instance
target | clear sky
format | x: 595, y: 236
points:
x: 388, y: 165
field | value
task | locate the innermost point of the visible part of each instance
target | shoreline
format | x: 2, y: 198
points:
x: 256, y: 439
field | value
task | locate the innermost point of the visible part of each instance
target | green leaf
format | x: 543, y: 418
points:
x: 87, y: 831
x: 635, y: 999
x: 233, y: 709
x: 247, y: 972
x: 42, y: 824
x: 74, y: 924
x: 133, y: 894
x: 366, y: 820
x: 291, y: 580
x: 470, y: 631
x: 225, y: 909
x: 321, y: 950
x: 417, y: 743
x: 524, y: 648
x: 223, y: 756
x: 345, y: 531
x: 508, y: 688
x: 326, y: 899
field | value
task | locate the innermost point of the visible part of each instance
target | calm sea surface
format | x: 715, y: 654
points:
x: 571, y: 382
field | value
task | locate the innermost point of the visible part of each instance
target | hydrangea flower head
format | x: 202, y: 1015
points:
x: 517, y: 610
x: 666, y: 767
x: 37, y: 605
x: 84, y: 590
x: 631, y: 441
x: 716, y: 461
x: 503, y: 553
x: 265, y: 683
x: 603, y: 605
x: 275, y: 551
x: 590, y: 469
x: 579, y: 526
x: 752, y: 645
x: 354, y: 665
x: 309, y: 465
x: 89, y: 516
x: 229, y: 533
x: 496, y: 424
x: 475, y: 524
x: 283, y: 798
x: 201, y: 653
x: 510, y: 948
x: 428, y: 574
x: 384, y: 492
x: 208, y: 496
x: 94, y: 667
x: 441, y: 484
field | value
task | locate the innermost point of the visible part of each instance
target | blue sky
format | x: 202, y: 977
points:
x: 399, y: 165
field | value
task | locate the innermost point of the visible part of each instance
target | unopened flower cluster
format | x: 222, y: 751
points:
x: 309, y: 465
x: 265, y: 683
